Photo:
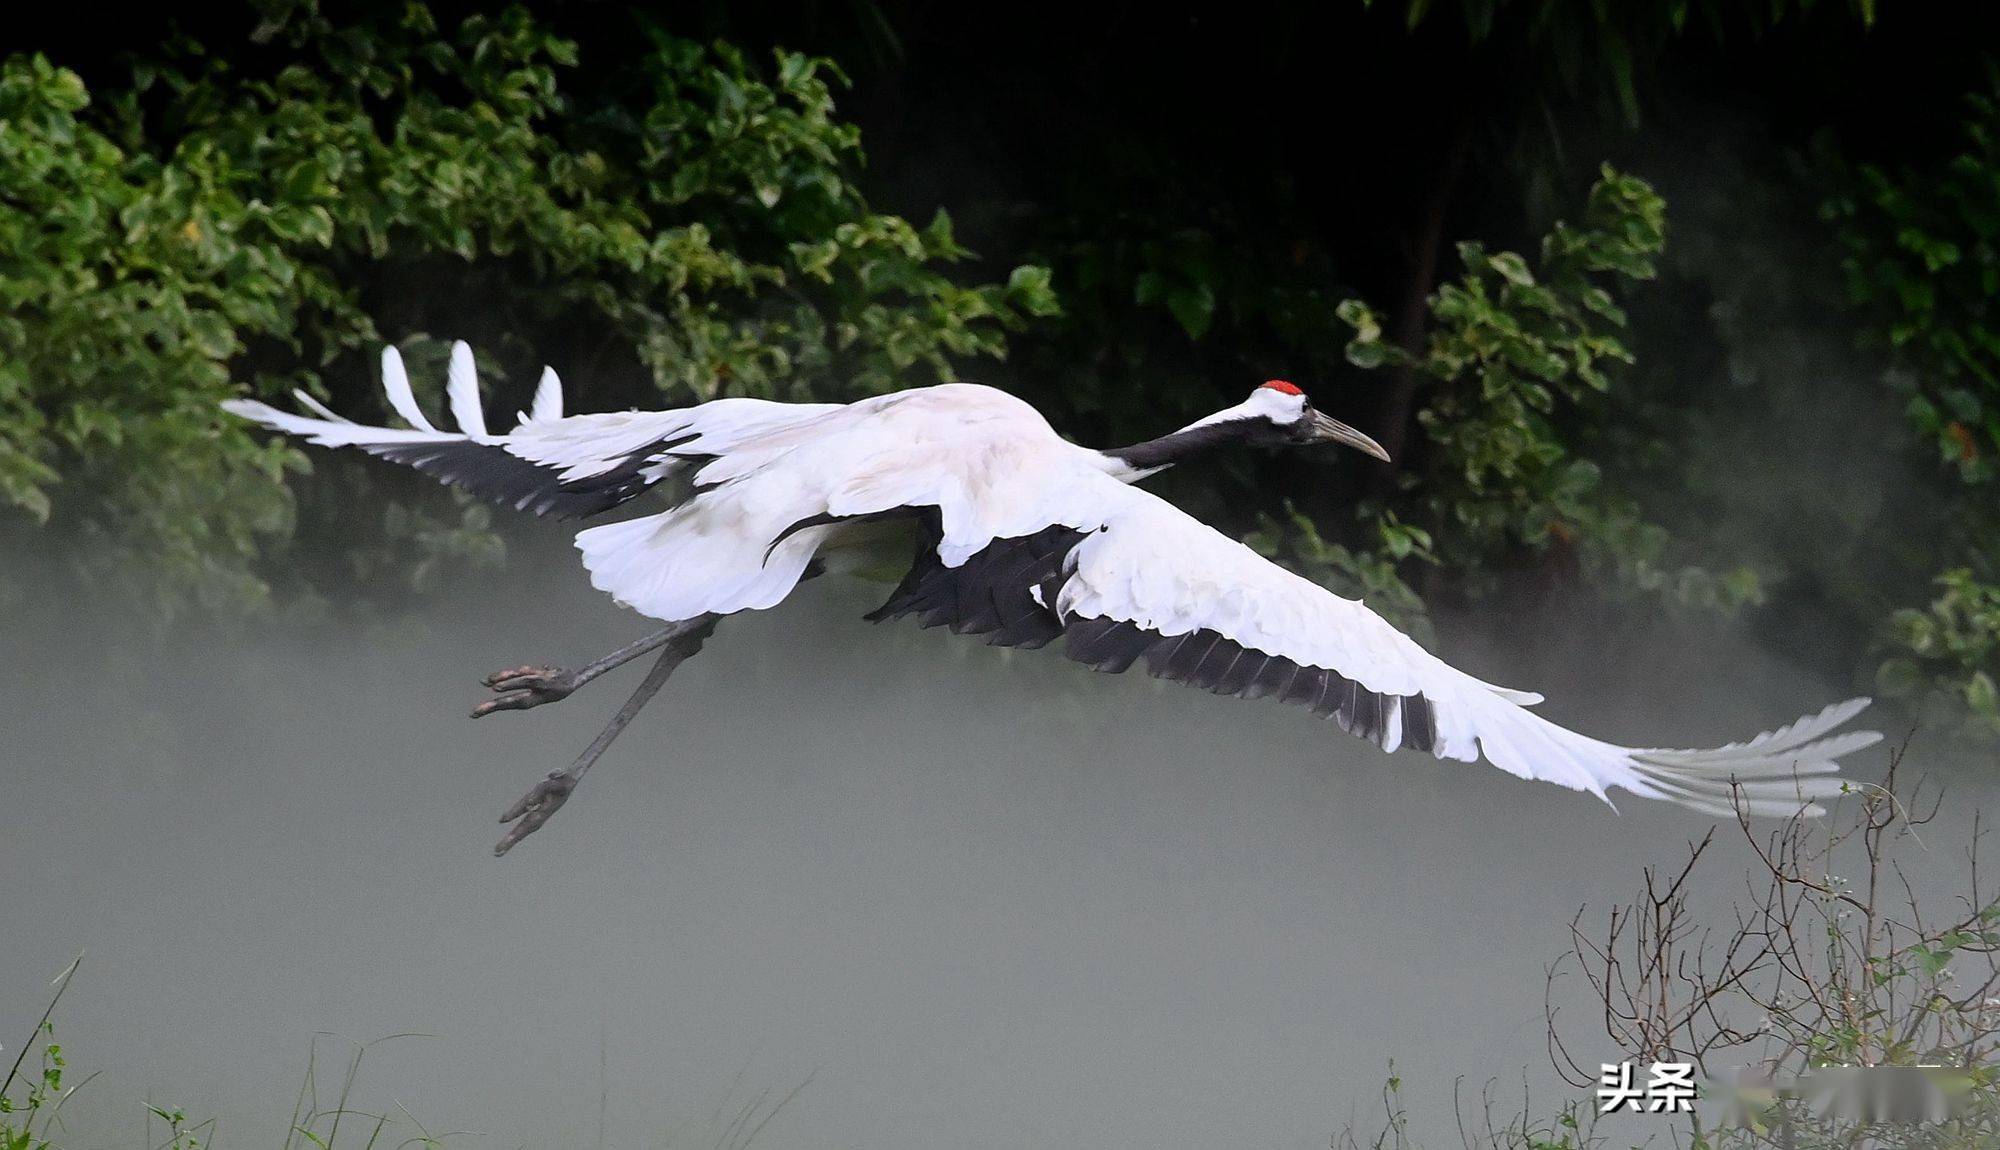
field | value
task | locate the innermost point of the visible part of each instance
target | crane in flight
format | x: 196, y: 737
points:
x: 1022, y: 537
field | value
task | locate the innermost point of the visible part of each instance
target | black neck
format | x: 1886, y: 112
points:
x: 1168, y: 450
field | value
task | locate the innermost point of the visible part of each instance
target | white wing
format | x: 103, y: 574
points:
x: 769, y: 480
x: 547, y: 464
x: 1123, y: 576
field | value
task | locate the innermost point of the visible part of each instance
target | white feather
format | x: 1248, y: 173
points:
x: 461, y: 388
x: 316, y: 407
x: 396, y: 382
x: 548, y: 405
x: 330, y: 432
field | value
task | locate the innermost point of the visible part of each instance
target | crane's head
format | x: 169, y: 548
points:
x: 1277, y: 414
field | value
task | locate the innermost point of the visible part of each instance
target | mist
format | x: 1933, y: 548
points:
x: 966, y: 896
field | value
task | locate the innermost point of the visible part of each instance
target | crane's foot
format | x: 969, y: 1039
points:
x: 526, y: 687
x: 523, y: 687
x: 533, y: 809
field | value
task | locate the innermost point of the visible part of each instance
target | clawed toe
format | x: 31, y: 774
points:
x: 533, y: 809
x: 520, y: 688
x: 520, y: 677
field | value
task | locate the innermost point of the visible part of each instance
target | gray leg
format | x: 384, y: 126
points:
x: 524, y: 687
x: 542, y: 801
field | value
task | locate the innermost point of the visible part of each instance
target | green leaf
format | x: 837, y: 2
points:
x: 1981, y: 696
x: 1359, y: 316
x: 1030, y: 287
x: 1511, y: 268
x: 1193, y: 307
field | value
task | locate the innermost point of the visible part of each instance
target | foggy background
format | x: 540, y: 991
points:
x: 978, y: 898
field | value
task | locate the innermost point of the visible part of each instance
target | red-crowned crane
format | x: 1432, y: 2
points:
x: 1022, y: 537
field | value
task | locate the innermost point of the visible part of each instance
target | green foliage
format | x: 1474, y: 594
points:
x: 163, y: 243
x: 1519, y: 355
x: 1179, y: 274
x: 30, y: 1099
x: 683, y: 220
x: 1514, y: 350
x: 1921, y: 256
x: 25, y: 1117
x: 1943, y: 656
x: 1159, y: 312
x: 180, y: 1133
x: 1921, y: 260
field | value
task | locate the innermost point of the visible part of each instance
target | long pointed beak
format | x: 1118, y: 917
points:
x: 1327, y: 429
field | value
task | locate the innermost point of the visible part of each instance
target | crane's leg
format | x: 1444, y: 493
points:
x: 545, y: 798
x: 519, y: 688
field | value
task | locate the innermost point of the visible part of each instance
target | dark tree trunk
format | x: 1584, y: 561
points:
x: 1410, y: 322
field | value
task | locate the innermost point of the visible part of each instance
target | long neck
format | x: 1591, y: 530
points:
x: 1143, y: 459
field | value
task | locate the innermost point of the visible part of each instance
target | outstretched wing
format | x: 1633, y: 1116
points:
x: 549, y: 464
x: 1130, y: 579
